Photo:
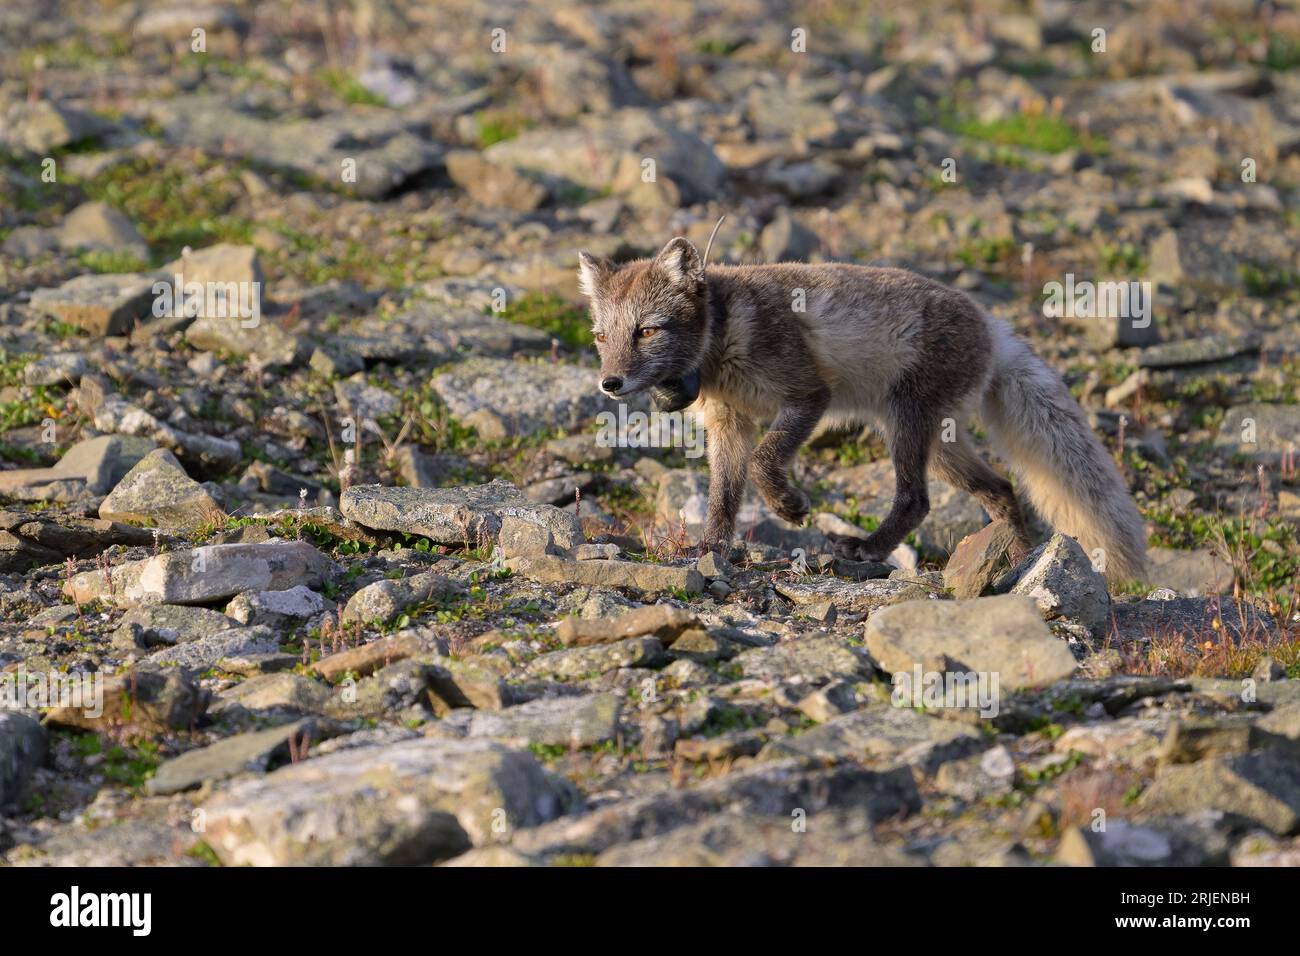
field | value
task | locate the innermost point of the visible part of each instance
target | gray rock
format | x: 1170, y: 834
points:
x: 276, y: 608
x: 60, y: 368
x: 157, y: 492
x: 290, y: 693
x: 1260, y: 431
x: 598, y: 153
x: 460, y: 516
x: 22, y: 749
x: 410, y: 802
x: 545, y: 569
x: 892, y: 735
x: 206, y: 652
x: 100, y: 304
x: 1060, y: 579
x: 1195, y: 572
x: 578, y: 662
x: 851, y: 596
x: 574, y: 722
x: 117, y: 415
x: 153, y: 625
x: 500, y: 398
x: 385, y: 600
x: 205, y: 574
x: 242, y: 753
x: 386, y: 154
x: 97, y: 225
x: 41, y: 126
x: 996, y: 635
x: 813, y: 660
x: 91, y: 467
x: 1260, y: 788
x: 777, y: 788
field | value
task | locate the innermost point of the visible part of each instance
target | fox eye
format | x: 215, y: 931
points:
x: 647, y: 332
x: 600, y: 336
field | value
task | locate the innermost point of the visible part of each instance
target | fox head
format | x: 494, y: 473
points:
x: 648, y: 317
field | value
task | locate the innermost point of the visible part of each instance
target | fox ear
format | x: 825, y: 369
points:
x: 591, y: 271
x: 680, y: 261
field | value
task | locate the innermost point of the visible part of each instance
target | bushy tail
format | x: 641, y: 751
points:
x: 1071, y: 478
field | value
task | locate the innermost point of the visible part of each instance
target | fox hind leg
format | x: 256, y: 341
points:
x: 961, y: 465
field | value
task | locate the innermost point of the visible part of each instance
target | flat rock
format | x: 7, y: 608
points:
x: 28, y: 540
x: 385, y: 153
x: 662, y: 621
x: 208, y: 651
x: 204, y: 575
x: 406, y: 803
x: 1261, y: 788
x: 572, y: 722
x: 1260, y: 431
x: 608, y: 574
x: 153, y: 625
x: 456, y: 516
x: 885, y: 733
x: 108, y: 304
x: 813, y: 660
x: 242, y: 753
x: 579, y: 662
x: 368, y: 658
x: 1001, y: 635
x: 88, y: 469
x: 596, y: 154
x: 852, y: 596
x: 500, y: 398
x: 773, y: 788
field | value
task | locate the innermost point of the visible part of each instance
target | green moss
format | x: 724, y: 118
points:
x: 176, y: 204
x: 495, y: 126
x: 553, y: 315
x: 348, y: 88
x: 115, y: 260
x: 1044, y: 132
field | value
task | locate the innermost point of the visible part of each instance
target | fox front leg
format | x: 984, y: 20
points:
x: 729, y: 438
x: 770, y: 465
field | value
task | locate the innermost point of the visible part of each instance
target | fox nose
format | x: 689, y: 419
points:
x: 611, y: 383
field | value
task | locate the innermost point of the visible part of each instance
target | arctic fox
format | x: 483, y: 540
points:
x: 799, y: 344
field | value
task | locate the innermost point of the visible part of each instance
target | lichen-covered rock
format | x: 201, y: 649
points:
x: 406, y: 803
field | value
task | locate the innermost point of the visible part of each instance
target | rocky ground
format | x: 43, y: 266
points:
x: 360, y: 584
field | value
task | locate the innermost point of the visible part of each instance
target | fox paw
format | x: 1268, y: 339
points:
x: 790, y: 504
x: 854, y: 549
